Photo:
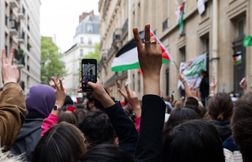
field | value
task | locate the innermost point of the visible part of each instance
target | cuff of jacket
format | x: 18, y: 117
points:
x: 12, y: 85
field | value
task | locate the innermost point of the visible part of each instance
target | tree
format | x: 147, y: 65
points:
x: 51, y: 65
x: 95, y: 54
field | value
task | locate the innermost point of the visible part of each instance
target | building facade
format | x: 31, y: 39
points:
x: 85, y: 40
x: 20, y: 29
x: 218, y: 32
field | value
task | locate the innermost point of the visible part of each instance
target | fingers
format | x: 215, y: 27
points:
x: 61, y: 84
x: 11, y: 56
x: 123, y: 94
x: 3, y: 56
x: 147, y: 34
x: 128, y: 91
x: 137, y: 38
x: 55, y: 83
x: 92, y: 85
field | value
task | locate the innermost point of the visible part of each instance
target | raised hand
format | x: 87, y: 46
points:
x: 100, y: 94
x: 10, y: 72
x: 60, y: 92
x: 132, y: 99
x: 150, y: 59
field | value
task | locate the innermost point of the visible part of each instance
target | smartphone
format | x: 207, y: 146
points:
x: 88, y: 73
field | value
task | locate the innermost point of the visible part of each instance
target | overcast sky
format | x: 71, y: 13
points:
x: 59, y: 18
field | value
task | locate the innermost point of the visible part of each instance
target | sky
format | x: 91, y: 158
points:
x: 59, y: 19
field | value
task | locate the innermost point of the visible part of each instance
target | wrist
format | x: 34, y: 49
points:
x: 152, y: 85
x: 107, y: 101
x: 9, y: 81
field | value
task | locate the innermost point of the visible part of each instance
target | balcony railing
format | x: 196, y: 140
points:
x: 13, y: 3
x: 13, y: 26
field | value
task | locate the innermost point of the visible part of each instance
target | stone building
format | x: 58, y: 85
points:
x: 20, y: 29
x: 85, y: 40
x: 219, y: 31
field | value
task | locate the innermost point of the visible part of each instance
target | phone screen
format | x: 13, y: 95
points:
x: 89, y: 73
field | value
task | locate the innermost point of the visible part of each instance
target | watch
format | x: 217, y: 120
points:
x: 56, y: 107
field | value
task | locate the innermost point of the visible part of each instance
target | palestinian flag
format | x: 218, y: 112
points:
x: 180, y: 16
x: 247, y: 41
x: 127, y: 57
x: 237, y: 58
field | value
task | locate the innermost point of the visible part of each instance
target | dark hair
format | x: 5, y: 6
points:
x: 193, y: 141
x: 178, y: 116
x: 192, y: 103
x: 220, y: 107
x: 107, y: 153
x: 97, y: 128
x: 68, y: 101
x: 80, y: 115
x: 68, y: 117
x: 62, y: 143
x: 242, y: 126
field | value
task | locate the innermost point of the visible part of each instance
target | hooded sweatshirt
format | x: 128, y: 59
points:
x: 39, y: 102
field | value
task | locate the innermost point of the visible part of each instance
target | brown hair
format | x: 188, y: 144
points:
x: 220, y: 107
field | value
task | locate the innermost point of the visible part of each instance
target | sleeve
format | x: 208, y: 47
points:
x: 137, y: 124
x: 48, y: 123
x: 149, y: 144
x: 124, y: 128
x: 12, y: 113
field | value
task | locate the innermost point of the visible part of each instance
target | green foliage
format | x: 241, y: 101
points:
x: 51, y: 65
x: 94, y: 55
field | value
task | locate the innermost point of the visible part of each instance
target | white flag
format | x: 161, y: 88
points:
x: 201, y: 6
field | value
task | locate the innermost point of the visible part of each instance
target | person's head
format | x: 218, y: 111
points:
x: 193, y: 141
x: 178, y: 116
x: 62, y: 143
x: 192, y: 103
x: 242, y: 126
x: 98, y: 128
x: 220, y: 107
x: 68, y: 101
x: 107, y: 153
x: 68, y: 117
x: 93, y: 104
x: 204, y: 73
x: 40, y: 100
x: 80, y: 115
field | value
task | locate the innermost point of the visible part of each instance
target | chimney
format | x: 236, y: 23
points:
x: 84, y: 15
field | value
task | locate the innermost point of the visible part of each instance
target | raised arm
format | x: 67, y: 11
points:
x: 12, y: 102
x: 153, y: 107
x: 123, y: 126
x: 52, y: 119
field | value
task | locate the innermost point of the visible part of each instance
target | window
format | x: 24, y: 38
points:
x: 182, y: 54
x: 165, y: 24
x: 81, y: 52
x: 89, y: 28
x: 133, y: 82
x: 81, y: 40
x: 90, y: 41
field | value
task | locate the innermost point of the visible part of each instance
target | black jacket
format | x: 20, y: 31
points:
x: 223, y: 128
x: 28, y: 137
x: 124, y: 128
x: 149, y: 146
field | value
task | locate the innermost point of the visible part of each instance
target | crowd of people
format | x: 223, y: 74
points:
x: 46, y: 126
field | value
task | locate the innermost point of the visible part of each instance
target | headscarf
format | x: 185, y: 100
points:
x: 40, y: 100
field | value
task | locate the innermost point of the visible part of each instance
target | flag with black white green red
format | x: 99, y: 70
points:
x: 237, y: 58
x: 127, y: 57
x: 247, y: 41
x: 180, y: 12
